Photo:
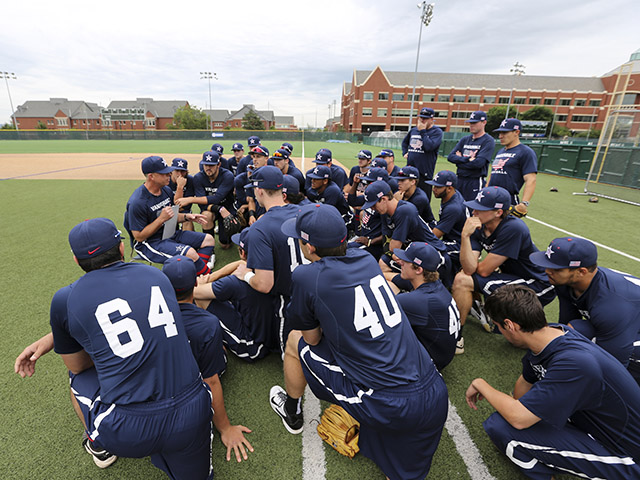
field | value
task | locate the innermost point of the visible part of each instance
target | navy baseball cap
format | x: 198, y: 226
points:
x: 93, y: 237
x: 237, y: 147
x: 210, y: 158
x: 379, y: 162
x: 290, y: 185
x: 375, y: 192
x: 155, y: 164
x: 477, y: 116
x: 259, y: 150
x: 323, y: 156
x: 319, y: 172
x: 490, y: 198
x: 253, y: 141
x: 408, y: 172
x: 364, y: 154
x: 288, y: 147
x: 317, y: 224
x: 216, y: 147
x: 241, y: 239
x: 386, y: 152
x: 509, y: 125
x: 374, y: 174
x: 180, y: 164
x: 421, y: 254
x: 181, y: 272
x: 427, y: 112
x: 444, y: 178
x: 567, y: 252
x: 280, y: 154
x: 268, y: 177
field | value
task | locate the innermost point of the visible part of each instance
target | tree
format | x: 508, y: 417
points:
x: 251, y: 121
x: 559, y: 131
x: 189, y: 118
x: 495, y: 115
x: 539, y: 113
x: 41, y: 126
x: 8, y: 126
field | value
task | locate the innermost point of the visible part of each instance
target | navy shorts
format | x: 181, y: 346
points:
x: 486, y: 285
x: 400, y: 427
x: 535, y: 450
x: 176, y: 432
x: 470, y: 186
x: 161, y: 250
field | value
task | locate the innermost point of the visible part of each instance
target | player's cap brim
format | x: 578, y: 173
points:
x: 434, y: 183
x: 400, y: 253
x: 370, y: 203
x: 235, y: 238
x: 541, y: 259
x: 474, y: 205
x: 289, y: 228
x: 167, y: 169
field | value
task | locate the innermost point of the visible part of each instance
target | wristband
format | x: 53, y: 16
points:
x: 525, y: 203
x: 248, y: 276
x: 214, y: 208
x: 252, y: 213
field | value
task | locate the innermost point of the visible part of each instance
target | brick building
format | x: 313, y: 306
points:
x: 58, y: 114
x: 140, y: 114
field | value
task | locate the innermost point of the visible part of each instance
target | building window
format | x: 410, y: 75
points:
x: 442, y: 113
x: 459, y: 98
x: 398, y: 97
x: 503, y: 100
x: 106, y: 122
x: 428, y: 97
x: 583, y: 118
x: 534, y: 101
x: 444, y: 98
x: 382, y: 112
x: 403, y: 112
x: 489, y: 99
x: 457, y: 114
x: 367, y: 112
x: 151, y: 122
x: 561, y: 118
x: 565, y: 101
x: 473, y: 99
x: 580, y: 102
x: 519, y: 100
x: 549, y: 101
x: 416, y: 97
x: 383, y: 96
x: 367, y: 96
x: 63, y: 122
x: 594, y: 103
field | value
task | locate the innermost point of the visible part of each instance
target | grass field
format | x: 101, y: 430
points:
x: 40, y: 435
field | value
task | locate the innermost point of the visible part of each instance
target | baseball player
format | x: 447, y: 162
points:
x: 325, y: 157
x: 245, y: 198
x: 281, y: 159
x: 181, y: 184
x: 600, y: 303
x: 369, y: 362
x: 288, y: 147
x: 420, y: 147
x: 389, y: 157
x: 291, y: 191
x: 134, y: 380
x: 508, y: 244
x: 219, y: 149
x: 431, y: 310
x: 574, y: 409
x: 324, y: 190
x: 149, y: 207
x: 238, y: 154
x: 252, y: 142
x: 356, y: 172
x: 205, y: 339
x: 214, y: 195
x: 472, y: 155
x: 408, y: 178
x: 515, y: 165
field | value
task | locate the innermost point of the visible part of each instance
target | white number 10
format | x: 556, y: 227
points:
x: 364, y: 316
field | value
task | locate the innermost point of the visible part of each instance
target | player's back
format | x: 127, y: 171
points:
x: 127, y: 319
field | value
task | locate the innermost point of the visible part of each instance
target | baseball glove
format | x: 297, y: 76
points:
x: 517, y: 212
x: 340, y: 430
x: 231, y: 225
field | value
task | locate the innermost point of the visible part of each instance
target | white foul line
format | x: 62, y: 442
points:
x: 576, y: 235
x: 313, y: 462
x: 465, y: 446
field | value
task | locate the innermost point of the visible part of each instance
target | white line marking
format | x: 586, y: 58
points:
x: 313, y: 462
x: 465, y: 446
x: 576, y: 235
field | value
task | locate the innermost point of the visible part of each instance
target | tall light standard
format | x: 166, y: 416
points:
x: 208, y: 76
x: 425, y: 19
x: 12, y: 76
x: 518, y: 70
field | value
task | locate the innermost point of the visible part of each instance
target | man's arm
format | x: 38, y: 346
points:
x: 262, y: 280
x: 25, y: 364
x: 232, y: 436
x: 521, y: 387
x: 489, y: 264
x: 77, y: 362
x: 468, y: 256
x: 431, y: 138
x: 312, y: 337
x: 512, y: 410
x: 165, y: 214
x: 529, y: 186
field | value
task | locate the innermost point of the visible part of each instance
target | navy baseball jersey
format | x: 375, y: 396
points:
x: 143, y: 208
x: 126, y: 317
x: 422, y: 147
x: 205, y: 339
x: 577, y: 381
x: 510, y: 166
x: 421, y: 201
x: 331, y: 195
x: 352, y: 174
x: 338, y: 176
x: 188, y: 190
x: 366, y: 329
x: 218, y: 192
x: 452, y: 216
x: 434, y: 317
x: 405, y: 225
x: 611, y: 309
x: 298, y: 175
x: 481, y: 149
x: 242, y: 164
x: 241, y: 193
x: 270, y: 249
x: 370, y: 223
x: 511, y: 239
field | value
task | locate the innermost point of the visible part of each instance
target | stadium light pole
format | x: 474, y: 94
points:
x: 425, y: 19
x: 208, y: 76
x: 10, y: 76
x: 518, y: 70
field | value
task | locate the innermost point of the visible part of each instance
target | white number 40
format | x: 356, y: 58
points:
x: 159, y: 315
x: 365, y: 317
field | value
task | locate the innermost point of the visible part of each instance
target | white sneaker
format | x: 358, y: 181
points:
x: 211, y: 262
x: 460, y: 346
x: 477, y: 312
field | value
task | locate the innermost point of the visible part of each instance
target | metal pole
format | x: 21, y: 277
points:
x: 208, y: 76
x: 425, y: 19
x: 7, y: 76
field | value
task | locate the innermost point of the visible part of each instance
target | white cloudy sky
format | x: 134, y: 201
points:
x: 291, y: 56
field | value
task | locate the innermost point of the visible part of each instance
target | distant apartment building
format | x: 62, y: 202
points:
x: 58, y: 114
x: 140, y: 114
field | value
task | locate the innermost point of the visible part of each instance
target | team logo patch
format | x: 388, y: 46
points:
x: 208, y: 158
x: 497, y: 205
x: 574, y: 263
x: 417, y: 261
x: 304, y: 236
x: 380, y: 195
